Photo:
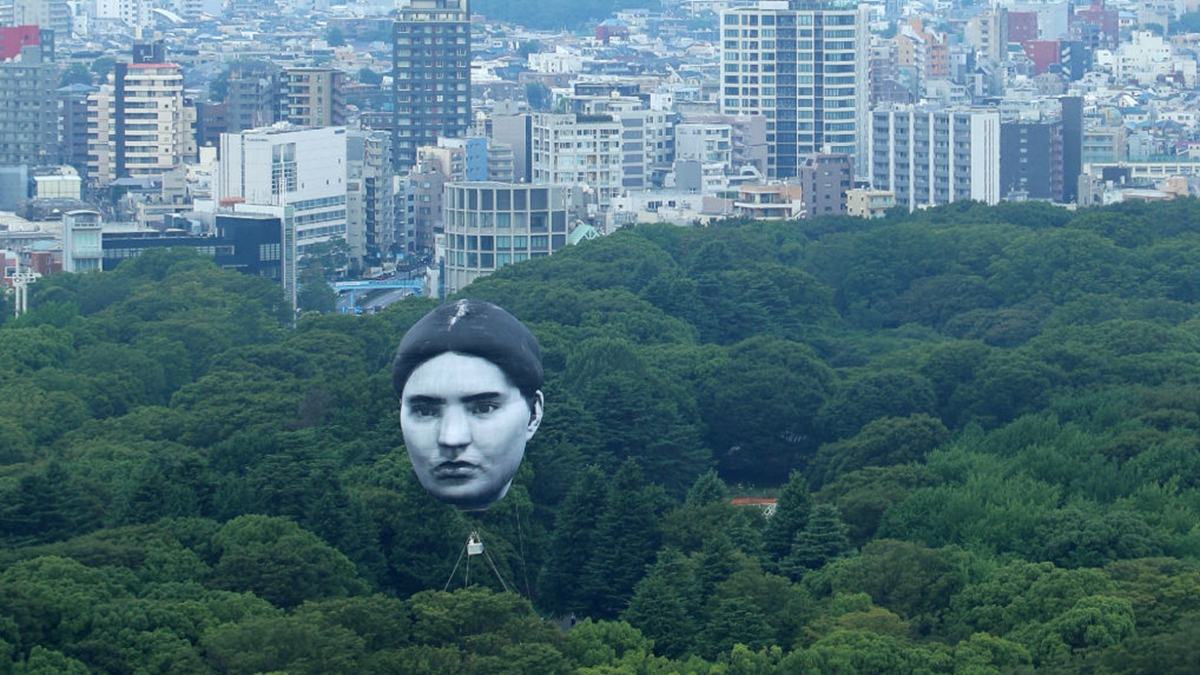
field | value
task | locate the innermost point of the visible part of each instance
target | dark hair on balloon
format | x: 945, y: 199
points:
x: 474, y: 328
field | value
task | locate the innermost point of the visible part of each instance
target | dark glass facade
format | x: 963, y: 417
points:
x: 249, y: 243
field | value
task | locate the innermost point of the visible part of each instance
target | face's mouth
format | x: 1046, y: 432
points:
x: 455, y: 470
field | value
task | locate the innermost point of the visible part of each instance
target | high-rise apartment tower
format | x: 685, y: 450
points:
x: 29, y: 107
x: 803, y: 65
x: 431, y: 75
x: 140, y: 124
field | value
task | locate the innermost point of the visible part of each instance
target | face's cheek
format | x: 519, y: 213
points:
x: 419, y: 440
x: 507, y: 446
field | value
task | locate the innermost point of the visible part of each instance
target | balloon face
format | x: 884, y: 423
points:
x: 465, y: 426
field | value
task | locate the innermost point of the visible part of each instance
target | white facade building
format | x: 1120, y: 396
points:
x: 803, y: 66
x: 135, y: 13
x: 704, y: 142
x: 140, y: 124
x: 284, y: 165
x: 1148, y: 58
x: 934, y: 157
x: 611, y: 145
x: 561, y: 60
x: 82, y: 250
x: 370, y: 198
x: 576, y: 149
x: 52, y: 14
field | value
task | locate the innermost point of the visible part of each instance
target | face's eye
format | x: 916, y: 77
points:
x: 483, y: 407
x: 424, y: 410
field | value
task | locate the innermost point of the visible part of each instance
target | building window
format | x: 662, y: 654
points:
x: 283, y: 168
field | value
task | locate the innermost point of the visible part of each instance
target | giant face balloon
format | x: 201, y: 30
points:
x: 469, y: 376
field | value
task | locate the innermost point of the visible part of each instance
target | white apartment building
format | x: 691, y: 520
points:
x: 285, y: 165
x: 370, y: 196
x: 704, y: 142
x: 934, y: 157
x: 159, y: 123
x: 803, y: 66
x: 52, y: 14
x: 703, y: 154
x: 561, y: 60
x: 139, y: 124
x: 1053, y: 16
x: 574, y: 148
x: 102, y: 134
x: 647, y: 140
x: 137, y: 13
x: 611, y: 145
x: 988, y: 34
x: 1184, y: 117
x: 1148, y: 58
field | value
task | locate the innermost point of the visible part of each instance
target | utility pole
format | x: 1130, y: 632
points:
x: 21, y: 280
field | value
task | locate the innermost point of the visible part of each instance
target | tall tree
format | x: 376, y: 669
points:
x: 885, y: 441
x: 735, y: 621
x: 280, y: 562
x: 761, y: 408
x: 573, y: 543
x: 45, y: 506
x: 314, y: 294
x: 716, y: 561
x: 418, y: 536
x: 646, y: 414
x: 666, y: 605
x: 708, y: 489
x: 791, y: 513
x: 627, y: 537
x: 823, y: 540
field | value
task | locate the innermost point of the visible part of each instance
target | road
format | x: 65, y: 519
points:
x: 366, y: 301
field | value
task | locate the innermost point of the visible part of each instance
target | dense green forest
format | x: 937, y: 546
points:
x: 982, y: 425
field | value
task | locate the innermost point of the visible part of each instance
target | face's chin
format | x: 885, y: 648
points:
x: 482, y: 503
x: 468, y: 494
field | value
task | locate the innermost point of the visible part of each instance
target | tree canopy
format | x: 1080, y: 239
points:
x: 979, y: 426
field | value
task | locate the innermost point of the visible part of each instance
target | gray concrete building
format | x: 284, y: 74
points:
x: 29, y: 116
x: 370, y: 207
x: 489, y: 225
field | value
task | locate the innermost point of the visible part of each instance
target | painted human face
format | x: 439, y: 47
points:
x: 465, y: 426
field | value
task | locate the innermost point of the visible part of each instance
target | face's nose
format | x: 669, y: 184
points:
x: 455, y: 430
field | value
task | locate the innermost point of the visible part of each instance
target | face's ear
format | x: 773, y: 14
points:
x: 535, y: 415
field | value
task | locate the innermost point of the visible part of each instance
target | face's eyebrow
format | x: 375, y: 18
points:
x: 484, y: 396
x: 419, y: 399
